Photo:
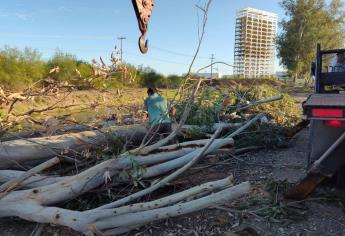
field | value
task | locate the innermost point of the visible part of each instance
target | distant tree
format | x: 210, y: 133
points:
x: 67, y: 64
x: 20, y: 68
x: 84, y: 69
x: 309, y: 22
x: 149, y: 77
x: 174, y: 81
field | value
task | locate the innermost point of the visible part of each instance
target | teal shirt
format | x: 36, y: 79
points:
x: 157, y: 107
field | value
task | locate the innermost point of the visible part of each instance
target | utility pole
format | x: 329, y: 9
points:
x: 212, y: 58
x: 121, y: 38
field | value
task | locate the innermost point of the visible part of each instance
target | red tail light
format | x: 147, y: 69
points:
x: 335, y: 123
x: 327, y: 113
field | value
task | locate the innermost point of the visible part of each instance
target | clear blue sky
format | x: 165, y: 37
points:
x: 89, y: 28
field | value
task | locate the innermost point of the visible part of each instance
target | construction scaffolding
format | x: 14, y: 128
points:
x: 255, y: 43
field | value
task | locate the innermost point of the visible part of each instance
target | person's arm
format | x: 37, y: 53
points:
x: 145, y: 113
x: 172, y: 109
x: 172, y: 112
x: 145, y: 105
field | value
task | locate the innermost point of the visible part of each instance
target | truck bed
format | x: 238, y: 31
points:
x: 325, y: 100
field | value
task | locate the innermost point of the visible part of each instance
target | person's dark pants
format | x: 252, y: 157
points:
x: 159, y: 132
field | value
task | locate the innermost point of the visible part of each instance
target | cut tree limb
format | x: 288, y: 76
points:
x: 168, y: 166
x: 195, y: 156
x: 169, y: 200
x: 109, y: 220
x: 261, y: 101
x: 32, y: 182
x: 12, y: 184
x: 93, y: 177
x: 221, y: 197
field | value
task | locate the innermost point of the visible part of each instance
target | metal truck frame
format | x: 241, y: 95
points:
x: 326, y: 111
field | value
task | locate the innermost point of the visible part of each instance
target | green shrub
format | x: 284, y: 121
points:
x: 101, y: 83
x: 149, y: 77
x: 20, y: 68
x: 67, y: 64
x: 174, y: 81
x: 207, y: 107
x: 85, y: 69
x: 283, y: 112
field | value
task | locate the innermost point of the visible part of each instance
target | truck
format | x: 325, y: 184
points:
x: 325, y: 109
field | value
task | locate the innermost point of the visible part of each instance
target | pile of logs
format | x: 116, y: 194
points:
x: 33, y: 191
x: 30, y: 192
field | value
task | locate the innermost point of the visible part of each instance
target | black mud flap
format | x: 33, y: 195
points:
x: 331, y: 163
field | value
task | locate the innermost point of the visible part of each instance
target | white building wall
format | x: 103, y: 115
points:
x: 255, y: 43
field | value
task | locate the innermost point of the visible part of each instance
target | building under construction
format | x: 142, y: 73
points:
x: 254, y: 43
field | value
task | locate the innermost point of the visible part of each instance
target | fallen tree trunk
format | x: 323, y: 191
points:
x: 16, y: 152
x: 117, y: 220
x: 37, y: 204
x: 13, y: 153
x: 93, y: 177
x: 168, y: 153
x: 37, y: 133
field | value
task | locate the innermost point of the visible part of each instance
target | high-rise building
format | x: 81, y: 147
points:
x: 255, y: 43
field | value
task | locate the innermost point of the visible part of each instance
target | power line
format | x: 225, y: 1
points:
x: 176, y: 53
x: 101, y: 37
x: 171, y: 51
x: 158, y: 59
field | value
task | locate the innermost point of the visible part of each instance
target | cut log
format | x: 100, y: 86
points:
x: 37, y: 133
x: 93, y: 177
x: 13, y: 153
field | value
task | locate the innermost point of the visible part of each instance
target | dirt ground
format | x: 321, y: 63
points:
x: 264, y: 212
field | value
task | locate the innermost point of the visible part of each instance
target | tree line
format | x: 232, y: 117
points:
x: 307, y: 23
x: 22, y: 68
